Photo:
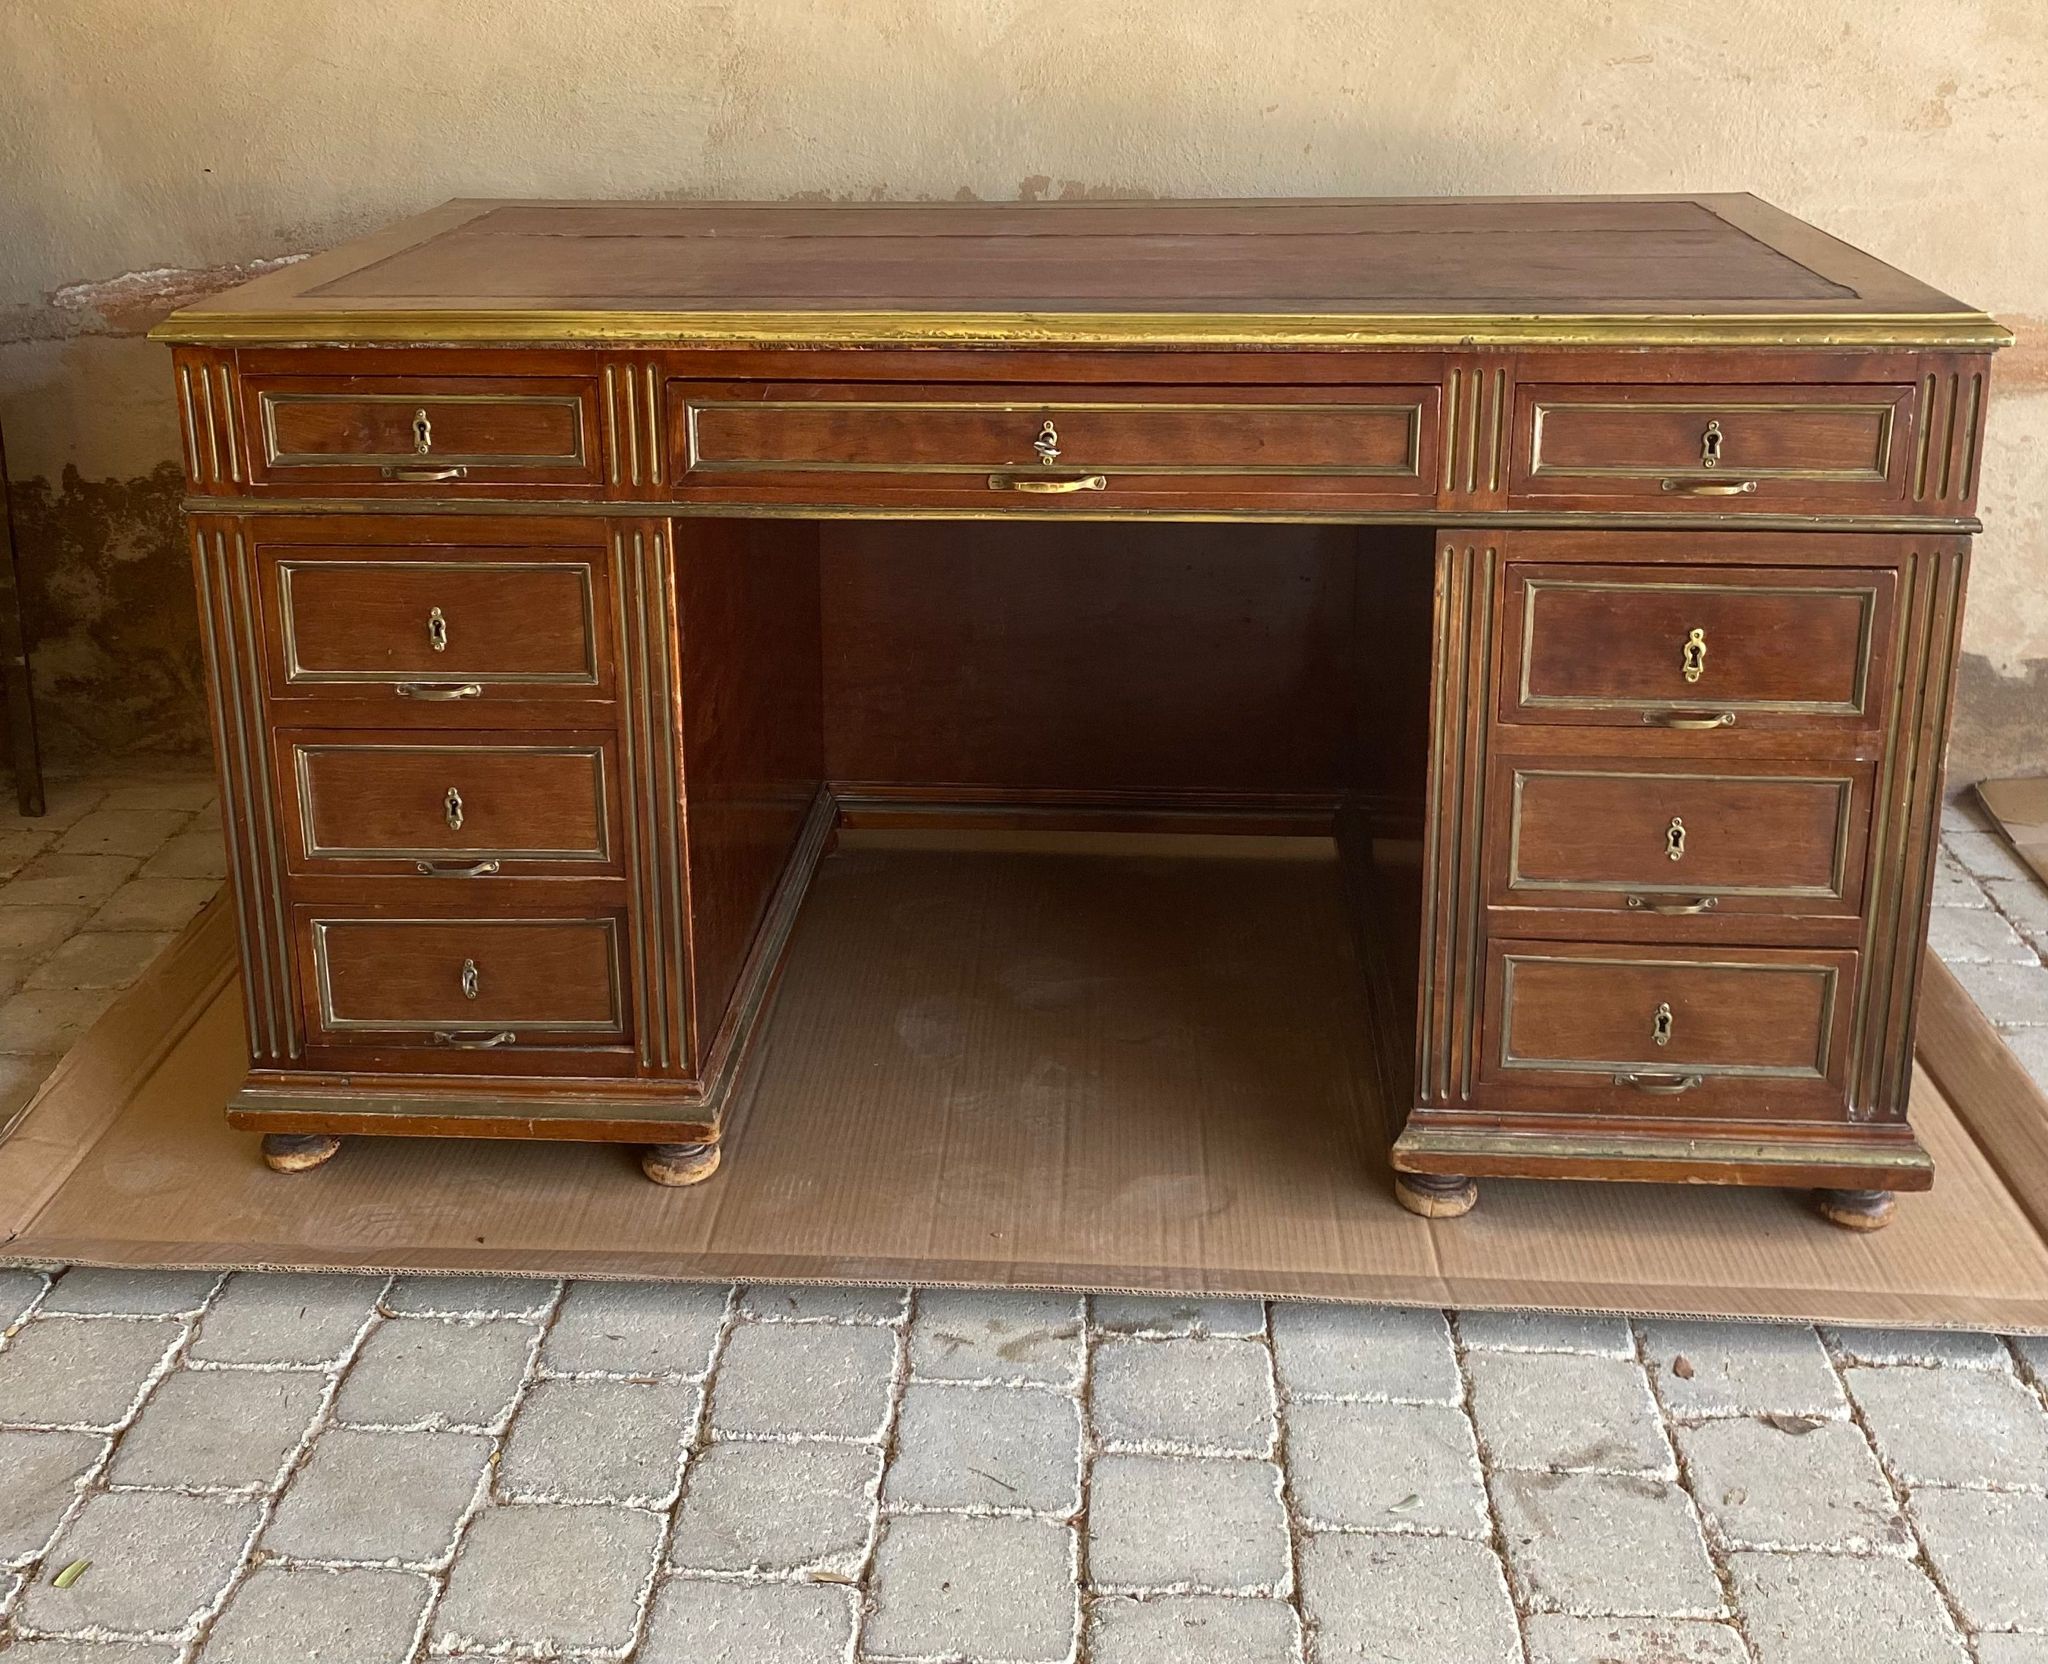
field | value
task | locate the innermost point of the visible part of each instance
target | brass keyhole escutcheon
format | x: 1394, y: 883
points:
x: 422, y: 433
x: 1660, y: 1025
x: 1710, y: 446
x: 454, y: 810
x: 472, y: 980
x: 1047, y: 444
x: 1693, y: 657
x: 437, y: 630
x: 1674, y: 839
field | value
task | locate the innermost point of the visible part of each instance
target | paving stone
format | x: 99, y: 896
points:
x: 18, y: 1291
x: 52, y: 1020
x: 1208, y: 1523
x: 76, y: 1372
x: 1954, y: 1426
x: 108, y: 831
x: 2012, y: 1649
x: 2024, y: 903
x: 1769, y: 1487
x: 599, y: 1441
x: 1984, y: 853
x: 1609, y: 1337
x: 312, y: 1616
x: 570, y: 1578
x: 1976, y: 935
x: 1555, y: 1638
x: 1824, y: 1608
x: 1406, y: 1600
x: 429, y: 1372
x: 379, y: 1496
x: 471, y: 1296
x: 814, y: 1302
x: 68, y: 793
x: 815, y: 1378
x: 1567, y: 1411
x: 986, y: 1447
x: 2012, y: 996
x: 154, y: 903
x: 1990, y: 1550
x: 187, y: 792
x: 1390, y: 1467
x: 200, y: 854
x: 1189, y: 1394
x: 42, y: 1472
x: 996, y: 1335
x: 29, y: 932
x: 1919, y: 1346
x: 1365, y: 1352
x: 20, y: 1079
x: 18, y: 847
x: 218, y: 1427
x: 90, y: 1652
x: 263, y: 1317
x: 54, y: 879
x: 158, y: 1558
x: 636, y: 1328
x: 1741, y: 1369
x: 100, y: 959
x: 1163, y: 1315
x: 1192, y: 1629
x: 698, y: 1622
x: 1955, y: 885
x: 955, y: 1586
x: 2030, y: 1046
x: 1605, y: 1543
x: 776, y: 1507
x: 2033, y: 1351
x: 86, y: 1290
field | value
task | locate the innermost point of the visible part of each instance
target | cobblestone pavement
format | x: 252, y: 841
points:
x: 267, y: 1469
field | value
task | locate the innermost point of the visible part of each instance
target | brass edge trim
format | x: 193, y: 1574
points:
x: 189, y: 429
x: 268, y: 401
x: 319, y: 1102
x: 670, y: 759
x: 1877, y: 473
x: 660, y: 991
x: 1432, y: 819
x: 324, y: 992
x: 1478, y: 697
x: 654, y: 427
x: 629, y: 805
x: 258, y: 915
x: 227, y: 411
x: 611, y: 425
x: 1961, y: 330
x: 1439, y: 1141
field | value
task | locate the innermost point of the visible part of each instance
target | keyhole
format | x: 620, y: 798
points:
x: 437, y: 630
x: 1710, y: 446
x: 1047, y: 444
x: 422, y: 433
x: 1660, y: 1025
x: 1674, y: 839
x: 454, y: 810
x: 1693, y: 658
x: 472, y: 981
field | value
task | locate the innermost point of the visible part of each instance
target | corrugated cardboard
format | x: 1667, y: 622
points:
x: 2021, y: 809
x: 994, y: 1066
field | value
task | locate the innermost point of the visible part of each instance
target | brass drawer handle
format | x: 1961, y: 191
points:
x: 442, y: 690
x: 1661, y: 1086
x: 1048, y: 488
x: 408, y: 473
x: 434, y: 869
x: 1696, y: 722
x: 474, y: 1042
x: 1710, y: 488
x: 1673, y: 909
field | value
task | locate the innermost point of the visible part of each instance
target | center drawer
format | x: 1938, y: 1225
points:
x: 1099, y: 448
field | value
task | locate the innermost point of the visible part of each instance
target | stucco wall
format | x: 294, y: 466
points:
x: 149, y: 152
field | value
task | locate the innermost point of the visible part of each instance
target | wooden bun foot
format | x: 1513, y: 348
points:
x: 1436, y: 1195
x: 298, y: 1152
x: 679, y: 1164
x: 1857, y: 1210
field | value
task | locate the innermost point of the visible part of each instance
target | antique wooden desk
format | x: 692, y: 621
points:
x: 570, y: 572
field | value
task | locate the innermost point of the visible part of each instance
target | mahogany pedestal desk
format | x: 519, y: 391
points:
x: 570, y: 573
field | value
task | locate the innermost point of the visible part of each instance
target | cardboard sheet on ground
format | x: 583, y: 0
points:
x: 989, y: 1066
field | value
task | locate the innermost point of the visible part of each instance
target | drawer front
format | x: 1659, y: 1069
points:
x: 1682, y: 840
x: 1696, y: 647
x: 1024, y: 447
x: 437, y: 434
x: 1751, y: 1033
x: 1704, y: 447
x: 439, y: 625
x: 502, y: 804
x: 466, y: 986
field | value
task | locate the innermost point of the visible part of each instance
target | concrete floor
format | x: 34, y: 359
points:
x: 282, y: 1468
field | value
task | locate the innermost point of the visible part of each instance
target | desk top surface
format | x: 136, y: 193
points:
x: 1619, y: 271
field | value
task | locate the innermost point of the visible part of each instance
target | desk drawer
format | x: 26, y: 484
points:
x: 1770, y: 449
x: 1685, y: 648
x: 1085, y: 448
x: 412, y: 435
x: 466, y: 987
x: 499, y: 804
x: 1673, y: 843
x: 1752, y: 1033
x: 437, y: 625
